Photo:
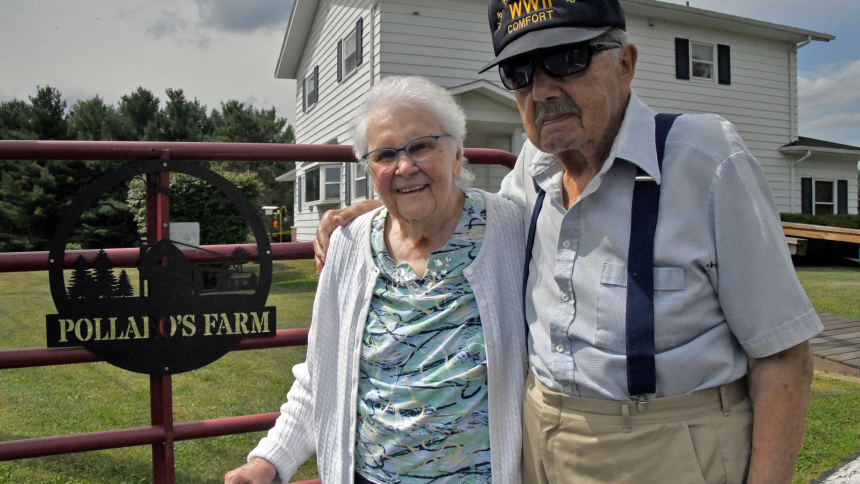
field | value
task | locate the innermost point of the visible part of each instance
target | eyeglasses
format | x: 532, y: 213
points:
x: 419, y: 150
x: 519, y: 73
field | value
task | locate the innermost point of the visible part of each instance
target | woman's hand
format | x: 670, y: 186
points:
x: 257, y: 471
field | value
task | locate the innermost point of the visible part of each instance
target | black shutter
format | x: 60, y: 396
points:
x: 806, y: 195
x: 299, y: 182
x: 317, y: 83
x: 339, y: 60
x: 682, y: 59
x: 347, y: 187
x: 724, y: 65
x: 841, y: 196
x: 358, y: 37
x: 304, y: 92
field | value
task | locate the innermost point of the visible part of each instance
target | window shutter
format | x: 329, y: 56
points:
x: 304, y: 93
x: 358, y: 36
x: 841, y: 196
x: 724, y: 68
x: 806, y: 195
x: 347, y: 186
x: 339, y: 60
x: 682, y: 59
x: 317, y: 83
x: 299, y: 182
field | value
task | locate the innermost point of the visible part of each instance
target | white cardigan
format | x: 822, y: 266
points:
x: 320, y: 412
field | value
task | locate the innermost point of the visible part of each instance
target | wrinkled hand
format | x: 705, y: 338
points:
x: 257, y: 471
x: 333, y: 219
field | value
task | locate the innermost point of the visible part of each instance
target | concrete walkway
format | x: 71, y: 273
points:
x: 847, y: 473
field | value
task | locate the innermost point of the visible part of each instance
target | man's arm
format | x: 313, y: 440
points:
x: 333, y: 219
x: 779, y: 392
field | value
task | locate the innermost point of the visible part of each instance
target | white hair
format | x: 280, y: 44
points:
x: 614, y: 35
x: 418, y: 93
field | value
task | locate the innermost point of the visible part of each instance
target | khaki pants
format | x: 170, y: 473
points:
x: 702, y: 437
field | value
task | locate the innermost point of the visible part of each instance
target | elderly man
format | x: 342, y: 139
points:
x: 668, y: 333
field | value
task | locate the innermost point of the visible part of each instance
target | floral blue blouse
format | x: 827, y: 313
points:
x: 422, y: 391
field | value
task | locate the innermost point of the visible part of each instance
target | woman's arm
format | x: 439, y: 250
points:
x: 256, y: 471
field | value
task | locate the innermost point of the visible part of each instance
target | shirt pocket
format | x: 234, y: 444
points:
x: 612, y: 306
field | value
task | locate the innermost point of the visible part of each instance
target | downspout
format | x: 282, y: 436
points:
x: 807, y: 155
x: 373, y: 8
x: 792, y: 95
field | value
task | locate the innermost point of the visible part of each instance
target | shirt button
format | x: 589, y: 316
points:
x: 560, y: 348
x: 484, y: 304
x: 490, y: 344
x: 468, y: 272
x: 566, y: 244
x: 568, y: 389
x: 565, y: 297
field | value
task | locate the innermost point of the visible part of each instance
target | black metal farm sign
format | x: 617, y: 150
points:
x: 183, y: 315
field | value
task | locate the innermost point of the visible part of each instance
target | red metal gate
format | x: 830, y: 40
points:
x: 163, y: 432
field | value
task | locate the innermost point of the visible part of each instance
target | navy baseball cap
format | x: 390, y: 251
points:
x: 522, y: 26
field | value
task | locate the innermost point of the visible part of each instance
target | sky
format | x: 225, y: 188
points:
x: 217, y: 50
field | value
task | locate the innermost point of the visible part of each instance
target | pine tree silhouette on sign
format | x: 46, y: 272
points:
x: 123, y: 286
x: 105, y: 280
x: 81, y: 282
x: 240, y: 256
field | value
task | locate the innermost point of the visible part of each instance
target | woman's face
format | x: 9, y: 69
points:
x: 411, y: 191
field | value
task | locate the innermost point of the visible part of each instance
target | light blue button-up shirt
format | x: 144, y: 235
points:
x: 725, y: 287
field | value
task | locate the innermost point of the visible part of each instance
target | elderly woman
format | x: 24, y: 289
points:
x: 416, y: 354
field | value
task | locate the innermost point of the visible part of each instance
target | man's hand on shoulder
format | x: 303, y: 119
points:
x: 333, y: 219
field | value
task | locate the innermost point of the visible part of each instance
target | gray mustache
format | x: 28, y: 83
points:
x: 556, y: 105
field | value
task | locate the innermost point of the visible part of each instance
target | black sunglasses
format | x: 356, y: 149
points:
x: 519, y: 73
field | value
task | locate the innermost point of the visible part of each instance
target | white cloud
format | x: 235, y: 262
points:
x: 839, y: 121
x: 169, y: 23
x: 244, y: 16
x: 837, y: 88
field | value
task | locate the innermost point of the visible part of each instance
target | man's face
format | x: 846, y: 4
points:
x: 581, y: 112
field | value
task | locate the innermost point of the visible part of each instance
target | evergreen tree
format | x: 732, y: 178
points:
x: 123, y: 286
x: 236, y: 123
x: 47, y: 115
x: 180, y: 120
x: 81, y: 282
x: 139, y: 114
x: 15, y: 120
x: 105, y: 280
x: 93, y: 120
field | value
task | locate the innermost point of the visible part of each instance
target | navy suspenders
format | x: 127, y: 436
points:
x: 641, y: 372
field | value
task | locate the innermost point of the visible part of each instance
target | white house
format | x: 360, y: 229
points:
x: 690, y: 61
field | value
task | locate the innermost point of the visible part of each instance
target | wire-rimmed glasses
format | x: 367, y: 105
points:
x: 420, y: 150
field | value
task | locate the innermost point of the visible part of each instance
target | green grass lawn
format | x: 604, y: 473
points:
x: 59, y: 400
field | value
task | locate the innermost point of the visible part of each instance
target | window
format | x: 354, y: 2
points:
x: 312, y: 185
x: 360, y: 183
x: 349, y: 51
x: 322, y: 184
x: 332, y: 183
x: 702, y: 61
x: 311, y: 84
x: 349, y: 43
x: 823, y: 197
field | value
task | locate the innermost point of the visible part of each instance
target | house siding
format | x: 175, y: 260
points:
x: 447, y: 41
x: 758, y: 101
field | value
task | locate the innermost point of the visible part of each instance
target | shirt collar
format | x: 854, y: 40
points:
x: 634, y: 143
